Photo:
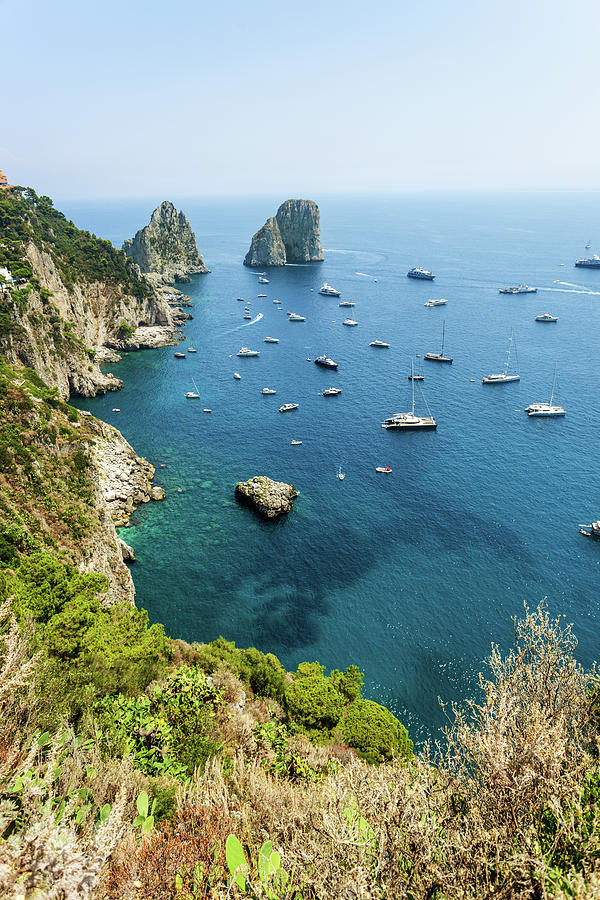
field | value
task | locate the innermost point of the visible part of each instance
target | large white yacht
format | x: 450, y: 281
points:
x: 294, y: 317
x: 378, y: 344
x: 349, y: 322
x: 506, y: 375
x: 547, y: 409
x: 328, y: 291
x: 420, y: 272
x: 244, y: 351
x: 439, y: 302
x: 409, y: 421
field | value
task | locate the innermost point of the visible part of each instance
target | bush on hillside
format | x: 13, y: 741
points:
x: 313, y: 702
x: 375, y: 732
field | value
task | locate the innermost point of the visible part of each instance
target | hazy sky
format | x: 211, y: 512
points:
x: 114, y: 98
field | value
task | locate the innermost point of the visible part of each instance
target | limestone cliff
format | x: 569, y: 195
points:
x: 166, y: 248
x: 293, y: 235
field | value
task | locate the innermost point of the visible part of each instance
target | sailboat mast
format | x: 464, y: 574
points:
x: 507, y: 363
x: 412, y: 381
x: 553, y: 386
x: 443, y: 336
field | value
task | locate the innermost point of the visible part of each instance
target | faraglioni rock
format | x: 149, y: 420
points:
x: 166, y: 248
x: 269, y: 498
x: 293, y: 235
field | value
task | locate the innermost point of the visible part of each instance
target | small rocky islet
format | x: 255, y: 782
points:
x: 292, y: 235
x: 267, y: 497
x: 166, y: 250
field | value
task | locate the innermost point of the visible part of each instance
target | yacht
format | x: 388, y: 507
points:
x: 288, y: 406
x: 439, y: 302
x: 268, y: 391
x: 349, y: 322
x: 276, y: 301
x: 419, y: 272
x: 326, y: 361
x: 519, y: 289
x: 347, y: 303
x: 247, y: 316
x: 546, y: 317
x: 439, y: 357
x: 378, y: 344
x: 591, y: 263
x: 262, y: 279
x: 547, y: 409
x: 328, y: 291
x: 270, y: 340
x: 409, y: 421
x: 244, y: 351
x: 294, y: 317
x: 191, y: 350
x: 504, y: 377
x: 241, y: 299
x: 261, y: 295
x: 332, y: 392
x: 179, y: 355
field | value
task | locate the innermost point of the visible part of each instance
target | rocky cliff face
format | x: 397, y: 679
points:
x: 293, y: 235
x: 166, y: 249
x: 59, y: 329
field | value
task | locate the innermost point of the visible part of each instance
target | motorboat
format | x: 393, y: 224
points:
x: 294, y: 317
x: 328, y: 291
x: 207, y: 410
x: 347, y: 303
x: 420, y: 273
x: 439, y: 302
x: 506, y: 375
x: 546, y: 317
x: 385, y: 469
x: 349, y: 322
x: 191, y: 350
x: 179, y: 355
x: 331, y: 392
x: 237, y: 376
x: 270, y: 340
x: 340, y: 474
x: 378, y: 344
x: 268, y: 391
x: 247, y: 316
x: 325, y: 361
x: 261, y: 295
x: 192, y: 395
x: 288, y: 406
x: 245, y: 351
x: 295, y: 443
x: 262, y: 279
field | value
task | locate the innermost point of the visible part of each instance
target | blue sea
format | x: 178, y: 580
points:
x: 411, y: 575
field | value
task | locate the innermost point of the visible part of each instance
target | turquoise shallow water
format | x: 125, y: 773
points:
x: 411, y: 576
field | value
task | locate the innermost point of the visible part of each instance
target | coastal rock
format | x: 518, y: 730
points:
x: 269, y: 498
x: 166, y: 249
x: 293, y: 235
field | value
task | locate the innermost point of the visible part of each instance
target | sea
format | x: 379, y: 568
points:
x: 411, y: 575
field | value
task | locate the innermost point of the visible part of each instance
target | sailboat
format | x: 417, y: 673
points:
x: 588, y: 245
x: 193, y: 395
x: 416, y: 376
x: 547, y: 409
x: 410, y: 420
x: 439, y: 357
x: 503, y: 377
x: 341, y: 475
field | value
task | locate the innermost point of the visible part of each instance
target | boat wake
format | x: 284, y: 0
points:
x: 364, y: 274
x: 245, y: 325
x: 574, y: 290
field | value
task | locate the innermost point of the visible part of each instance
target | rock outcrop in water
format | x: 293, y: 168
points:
x: 293, y: 235
x: 269, y: 498
x: 166, y: 249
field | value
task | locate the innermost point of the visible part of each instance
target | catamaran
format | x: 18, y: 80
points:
x: 193, y: 395
x: 547, y: 409
x: 503, y: 377
x: 439, y: 357
x: 410, y: 420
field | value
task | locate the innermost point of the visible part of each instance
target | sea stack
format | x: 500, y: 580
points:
x: 293, y: 235
x: 166, y: 249
x: 269, y: 498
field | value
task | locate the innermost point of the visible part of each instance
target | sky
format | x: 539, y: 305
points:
x: 107, y: 99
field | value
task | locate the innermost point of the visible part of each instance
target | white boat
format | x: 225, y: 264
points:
x: 207, y: 410
x: 288, y: 406
x: 547, y: 409
x: 385, y: 469
x: 504, y: 377
x: 261, y: 295
x: 439, y: 357
x: 332, y: 392
x: 268, y: 391
x: 378, y: 344
x: 328, y: 291
x: 409, y: 421
x: 546, y: 317
x: 193, y: 395
x: 349, y: 322
x: 276, y: 301
x: 262, y: 279
x: 270, y: 340
x: 439, y: 302
x: 245, y: 351
x: 191, y: 350
x: 421, y: 273
x: 237, y: 376
x: 341, y: 475
x: 347, y: 303
x: 416, y: 375
x: 294, y: 317
x: 295, y: 443
x: 247, y: 316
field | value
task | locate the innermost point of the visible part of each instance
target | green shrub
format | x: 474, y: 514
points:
x: 375, y: 732
x: 313, y: 702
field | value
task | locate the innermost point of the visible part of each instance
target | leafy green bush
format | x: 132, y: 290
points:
x: 313, y: 702
x: 375, y: 732
x: 261, y: 672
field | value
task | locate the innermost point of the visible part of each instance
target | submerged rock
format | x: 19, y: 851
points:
x: 166, y: 248
x: 269, y: 498
x: 293, y: 235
